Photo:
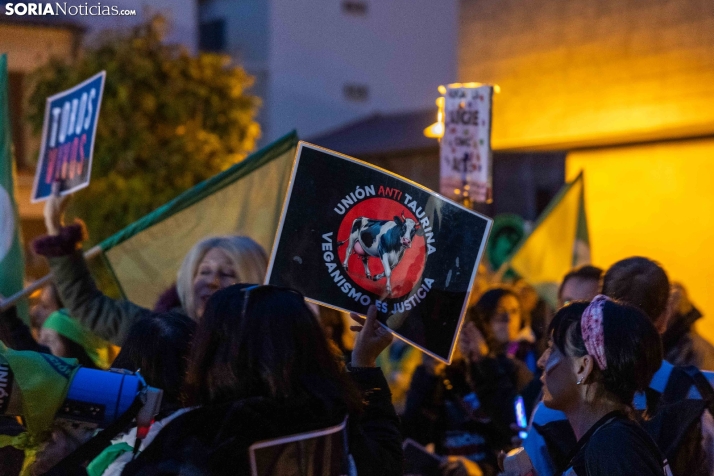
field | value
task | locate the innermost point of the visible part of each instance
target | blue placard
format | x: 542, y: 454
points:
x: 68, y: 135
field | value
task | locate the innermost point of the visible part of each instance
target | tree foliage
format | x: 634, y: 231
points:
x: 168, y: 120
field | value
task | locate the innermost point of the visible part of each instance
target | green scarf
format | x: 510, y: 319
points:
x: 96, y: 348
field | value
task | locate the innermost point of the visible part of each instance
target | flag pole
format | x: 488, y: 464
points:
x: 40, y: 283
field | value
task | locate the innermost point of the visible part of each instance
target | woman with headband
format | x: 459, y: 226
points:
x: 599, y: 355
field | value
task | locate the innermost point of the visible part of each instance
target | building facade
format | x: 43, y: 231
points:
x: 626, y: 87
x: 319, y: 65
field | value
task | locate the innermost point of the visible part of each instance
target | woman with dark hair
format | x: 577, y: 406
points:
x: 599, y: 355
x: 260, y: 368
x: 498, y: 315
x: 158, y: 347
x: 467, y: 408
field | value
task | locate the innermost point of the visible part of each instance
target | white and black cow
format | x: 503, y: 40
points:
x: 383, y: 239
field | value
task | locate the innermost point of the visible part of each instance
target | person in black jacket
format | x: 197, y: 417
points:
x: 467, y: 409
x: 260, y: 368
x: 600, y: 354
x: 681, y: 342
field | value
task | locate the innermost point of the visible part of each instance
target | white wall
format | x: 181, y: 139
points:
x: 402, y: 49
x: 247, y: 38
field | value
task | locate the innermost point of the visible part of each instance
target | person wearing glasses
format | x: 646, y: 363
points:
x: 261, y: 368
x: 466, y: 409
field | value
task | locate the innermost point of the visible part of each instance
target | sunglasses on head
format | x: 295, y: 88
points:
x: 256, y: 289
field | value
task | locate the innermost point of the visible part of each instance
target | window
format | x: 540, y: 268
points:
x: 356, y: 92
x: 212, y: 36
x: 354, y: 7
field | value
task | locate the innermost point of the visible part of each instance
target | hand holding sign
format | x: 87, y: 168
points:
x: 54, y: 210
x: 371, y: 339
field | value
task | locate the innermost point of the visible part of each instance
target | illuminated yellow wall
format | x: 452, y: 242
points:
x: 577, y: 72
x: 655, y: 201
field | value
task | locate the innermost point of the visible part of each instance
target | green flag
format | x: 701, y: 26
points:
x: 245, y: 199
x: 42, y: 381
x: 558, y: 242
x: 12, y: 264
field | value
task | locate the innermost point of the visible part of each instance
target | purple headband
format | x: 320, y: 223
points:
x: 593, y: 334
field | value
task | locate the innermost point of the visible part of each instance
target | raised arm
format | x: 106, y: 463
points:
x: 375, y: 436
x: 110, y: 319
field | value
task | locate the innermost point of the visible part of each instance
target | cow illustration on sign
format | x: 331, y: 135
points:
x: 383, y: 239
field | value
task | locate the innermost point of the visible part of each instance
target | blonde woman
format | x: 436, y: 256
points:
x: 212, y: 264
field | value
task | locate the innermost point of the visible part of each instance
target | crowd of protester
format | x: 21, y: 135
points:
x: 612, y: 378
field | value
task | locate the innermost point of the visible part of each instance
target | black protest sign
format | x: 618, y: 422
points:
x: 352, y: 235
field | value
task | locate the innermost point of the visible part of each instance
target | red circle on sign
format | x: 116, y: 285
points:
x: 408, y: 270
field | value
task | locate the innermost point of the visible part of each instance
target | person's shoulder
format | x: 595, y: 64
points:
x: 619, y: 434
x: 622, y: 447
x: 619, y: 424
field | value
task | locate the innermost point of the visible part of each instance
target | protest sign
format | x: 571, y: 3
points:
x: 320, y: 453
x: 352, y: 235
x: 68, y: 134
x: 465, y: 172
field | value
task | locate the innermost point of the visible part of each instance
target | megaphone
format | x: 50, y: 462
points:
x: 95, y: 398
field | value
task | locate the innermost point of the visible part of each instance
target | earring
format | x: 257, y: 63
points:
x: 580, y: 381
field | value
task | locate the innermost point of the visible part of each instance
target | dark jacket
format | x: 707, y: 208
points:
x: 108, y: 318
x: 441, y: 409
x: 616, y: 446
x: 16, y: 334
x: 683, y: 346
x: 11, y: 458
x: 214, y: 439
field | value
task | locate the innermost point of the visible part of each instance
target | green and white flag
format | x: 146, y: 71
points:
x: 246, y: 199
x: 12, y: 264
